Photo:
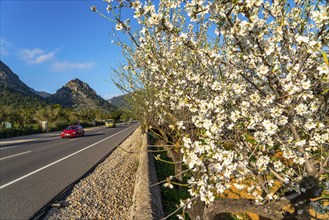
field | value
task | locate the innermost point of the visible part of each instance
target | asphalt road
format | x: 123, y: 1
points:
x: 34, y: 169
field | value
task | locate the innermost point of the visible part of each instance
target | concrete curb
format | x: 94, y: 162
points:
x: 146, y: 199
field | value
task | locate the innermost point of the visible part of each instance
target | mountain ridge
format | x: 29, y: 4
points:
x: 78, y: 94
x: 118, y: 101
x: 11, y: 80
x: 74, y: 94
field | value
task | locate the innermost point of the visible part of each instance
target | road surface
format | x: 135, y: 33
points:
x: 34, y: 169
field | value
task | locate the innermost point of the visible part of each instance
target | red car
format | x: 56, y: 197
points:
x: 73, y: 131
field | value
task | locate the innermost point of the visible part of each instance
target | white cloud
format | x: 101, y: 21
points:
x: 64, y: 66
x: 36, y: 55
x: 5, y: 47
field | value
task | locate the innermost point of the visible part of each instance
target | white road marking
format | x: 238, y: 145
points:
x: 24, y: 141
x: 15, y: 155
x: 54, y: 138
x: 74, y: 139
x: 17, y: 142
x: 57, y: 161
x: 4, y: 148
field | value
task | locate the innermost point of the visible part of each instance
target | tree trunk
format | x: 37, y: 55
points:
x: 196, y: 212
x: 271, y: 210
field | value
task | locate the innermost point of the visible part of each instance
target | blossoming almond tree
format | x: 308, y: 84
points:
x: 245, y: 85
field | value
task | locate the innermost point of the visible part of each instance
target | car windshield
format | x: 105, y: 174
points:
x: 109, y: 121
x: 71, y: 128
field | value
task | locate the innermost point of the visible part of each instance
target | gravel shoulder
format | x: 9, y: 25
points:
x: 108, y: 191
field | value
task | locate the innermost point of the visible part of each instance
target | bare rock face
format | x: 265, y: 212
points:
x: 78, y: 94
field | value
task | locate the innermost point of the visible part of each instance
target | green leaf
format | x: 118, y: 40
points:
x: 325, y: 91
x: 325, y: 57
x: 250, y: 139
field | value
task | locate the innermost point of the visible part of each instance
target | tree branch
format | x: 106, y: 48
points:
x: 270, y: 210
x: 309, y: 165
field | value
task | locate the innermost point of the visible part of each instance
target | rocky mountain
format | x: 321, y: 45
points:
x: 78, y: 94
x: 15, y: 92
x: 41, y: 93
x: 118, y: 101
x: 10, y: 80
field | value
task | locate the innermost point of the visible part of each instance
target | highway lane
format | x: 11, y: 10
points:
x: 34, y: 172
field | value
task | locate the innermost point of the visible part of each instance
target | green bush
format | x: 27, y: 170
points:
x: 26, y: 130
x: 170, y: 197
x: 58, y: 125
x: 86, y: 124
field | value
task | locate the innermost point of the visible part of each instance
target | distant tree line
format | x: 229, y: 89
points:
x: 16, y: 121
x: 22, y: 115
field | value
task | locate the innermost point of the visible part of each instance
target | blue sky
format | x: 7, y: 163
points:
x: 49, y: 42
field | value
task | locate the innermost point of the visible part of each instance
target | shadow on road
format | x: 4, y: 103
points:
x: 86, y: 135
x: 91, y: 135
x: 5, y: 145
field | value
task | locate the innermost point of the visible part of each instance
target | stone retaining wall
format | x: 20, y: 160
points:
x: 146, y: 200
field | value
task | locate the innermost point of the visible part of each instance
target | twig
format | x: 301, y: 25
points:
x: 277, y: 175
x: 310, y: 167
x: 323, y: 166
x: 140, y: 151
x: 163, y: 181
x: 177, y: 209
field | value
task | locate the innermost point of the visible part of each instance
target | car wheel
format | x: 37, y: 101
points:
x: 77, y: 135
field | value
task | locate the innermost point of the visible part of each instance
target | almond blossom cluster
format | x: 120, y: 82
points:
x: 244, y: 83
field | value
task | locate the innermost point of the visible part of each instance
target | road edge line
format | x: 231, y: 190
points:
x: 15, y: 155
